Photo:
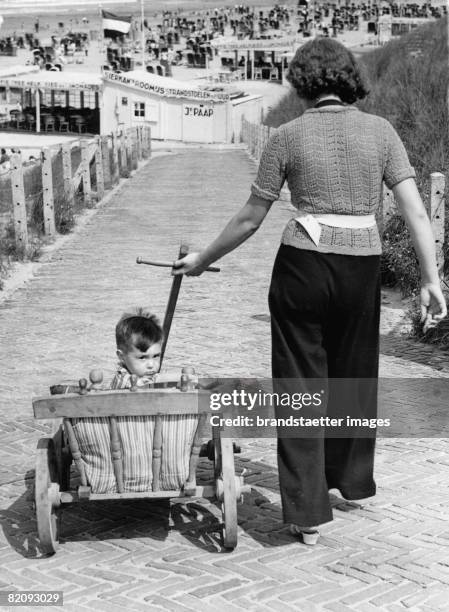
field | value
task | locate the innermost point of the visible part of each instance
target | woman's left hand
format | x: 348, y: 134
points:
x: 190, y: 265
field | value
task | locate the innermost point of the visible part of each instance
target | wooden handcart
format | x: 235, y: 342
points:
x: 55, y: 453
x: 170, y: 397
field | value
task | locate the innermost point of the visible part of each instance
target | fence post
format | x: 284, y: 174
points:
x: 115, y: 162
x: 86, y: 172
x: 139, y: 142
x: 134, y: 135
x: 18, y: 198
x: 67, y: 175
x: 106, y: 159
x: 47, y: 193
x: 123, y: 154
x: 436, y: 214
x: 99, y: 176
x: 149, y: 140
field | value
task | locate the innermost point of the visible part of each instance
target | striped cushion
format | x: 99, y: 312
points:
x: 136, y: 440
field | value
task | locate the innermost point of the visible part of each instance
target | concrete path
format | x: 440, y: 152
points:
x: 393, y: 554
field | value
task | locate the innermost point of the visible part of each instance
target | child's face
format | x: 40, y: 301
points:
x: 141, y: 363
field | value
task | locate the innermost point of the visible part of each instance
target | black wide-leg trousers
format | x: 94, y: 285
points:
x: 325, y: 311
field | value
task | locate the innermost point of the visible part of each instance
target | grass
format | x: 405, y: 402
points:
x: 65, y: 210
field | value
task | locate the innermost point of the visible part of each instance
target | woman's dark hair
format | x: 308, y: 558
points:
x: 325, y: 66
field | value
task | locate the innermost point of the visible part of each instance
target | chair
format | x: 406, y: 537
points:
x: 49, y: 124
x: 63, y: 124
x: 160, y: 70
x: 30, y: 121
x: 257, y: 73
x: 274, y: 75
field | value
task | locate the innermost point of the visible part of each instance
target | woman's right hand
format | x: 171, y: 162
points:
x: 433, y: 305
x: 190, y: 265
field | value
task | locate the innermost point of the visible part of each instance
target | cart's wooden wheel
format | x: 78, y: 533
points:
x: 47, y: 495
x: 63, y: 458
x: 226, y: 490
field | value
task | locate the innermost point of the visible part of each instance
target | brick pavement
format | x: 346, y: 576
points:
x: 392, y: 554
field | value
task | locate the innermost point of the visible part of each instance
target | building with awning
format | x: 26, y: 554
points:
x: 83, y: 103
x: 176, y: 110
x: 248, y: 53
x: 50, y: 101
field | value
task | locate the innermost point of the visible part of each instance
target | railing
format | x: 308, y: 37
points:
x: 255, y: 136
x: 83, y: 172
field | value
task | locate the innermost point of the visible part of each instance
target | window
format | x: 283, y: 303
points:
x: 124, y: 101
x: 139, y: 109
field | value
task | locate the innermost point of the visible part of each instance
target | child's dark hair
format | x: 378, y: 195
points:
x: 139, y: 328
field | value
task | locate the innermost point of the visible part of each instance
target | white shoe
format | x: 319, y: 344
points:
x: 310, y: 535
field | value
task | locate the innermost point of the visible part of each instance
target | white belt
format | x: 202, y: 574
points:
x: 312, y: 223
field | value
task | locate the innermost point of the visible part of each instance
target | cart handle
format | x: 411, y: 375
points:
x: 168, y: 264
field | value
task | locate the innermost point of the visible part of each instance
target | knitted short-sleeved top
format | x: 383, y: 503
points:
x: 334, y: 159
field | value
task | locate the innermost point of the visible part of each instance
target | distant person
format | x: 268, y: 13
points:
x: 36, y: 26
x: 4, y: 157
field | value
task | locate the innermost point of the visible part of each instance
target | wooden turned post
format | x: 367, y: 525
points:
x: 195, y: 452
x: 157, y: 453
x: 116, y: 453
x: 75, y: 451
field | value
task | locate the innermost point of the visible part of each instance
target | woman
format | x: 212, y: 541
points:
x: 325, y: 288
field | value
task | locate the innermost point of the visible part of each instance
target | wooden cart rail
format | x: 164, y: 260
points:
x: 145, y: 402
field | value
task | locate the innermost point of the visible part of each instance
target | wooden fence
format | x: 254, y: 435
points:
x: 103, y: 161
x: 255, y: 136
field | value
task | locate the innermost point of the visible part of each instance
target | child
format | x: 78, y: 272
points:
x: 138, y: 336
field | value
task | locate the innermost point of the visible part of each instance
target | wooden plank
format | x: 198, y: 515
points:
x: 106, y: 159
x: 122, y: 403
x: 206, y: 491
x: 436, y: 214
x: 99, y: 176
x: 47, y: 193
x: 19, y: 205
x: 85, y: 169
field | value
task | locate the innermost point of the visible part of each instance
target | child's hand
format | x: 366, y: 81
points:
x: 433, y: 306
x: 191, y: 265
